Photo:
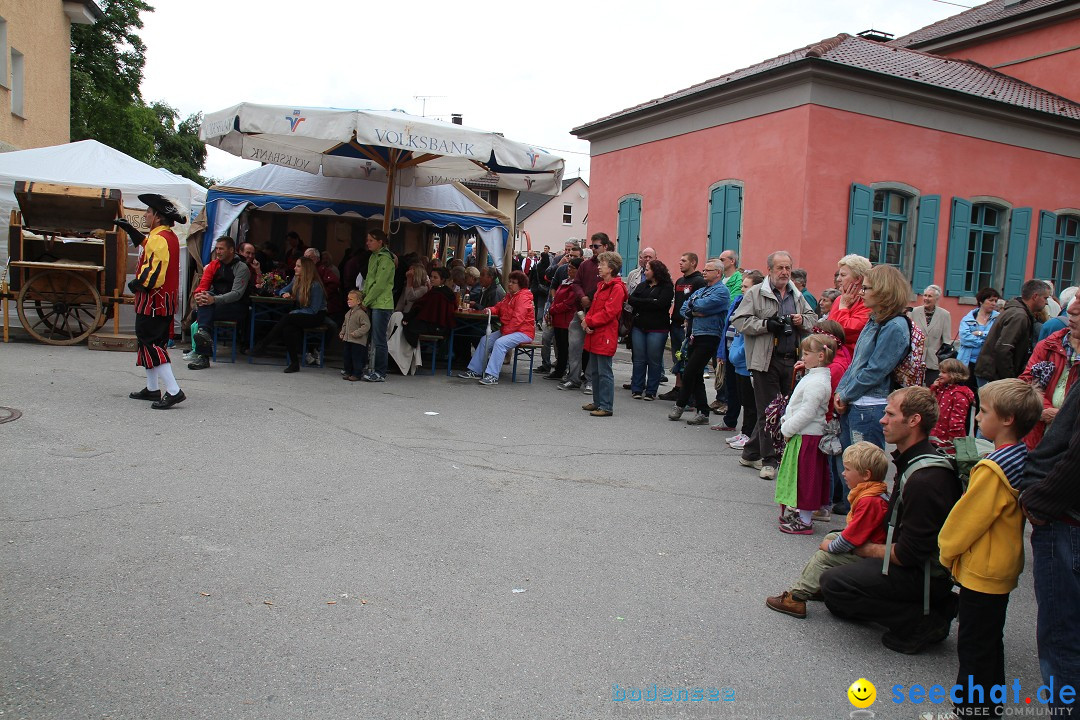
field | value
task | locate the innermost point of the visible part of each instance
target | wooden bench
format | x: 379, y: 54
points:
x: 528, y: 349
x: 431, y: 341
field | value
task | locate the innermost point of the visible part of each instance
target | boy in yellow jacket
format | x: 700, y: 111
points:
x: 982, y: 541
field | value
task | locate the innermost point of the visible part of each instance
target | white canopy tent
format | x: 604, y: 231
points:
x: 89, y: 163
x: 278, y: 188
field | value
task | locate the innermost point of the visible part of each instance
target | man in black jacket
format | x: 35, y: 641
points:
x: 227, y: 298
x: 1009, y: 342
x: 1050, y: 496
x: 897, y: 597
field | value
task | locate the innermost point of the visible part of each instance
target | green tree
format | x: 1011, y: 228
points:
x: 107, y: 60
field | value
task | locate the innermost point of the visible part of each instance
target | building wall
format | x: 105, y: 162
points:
x: 42, y: 33
x: 798, y: 166
x: 1056, y: 71
x: 673, y: 176
x: 545, y: 226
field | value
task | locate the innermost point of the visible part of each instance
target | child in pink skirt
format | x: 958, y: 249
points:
x: 803, y: 483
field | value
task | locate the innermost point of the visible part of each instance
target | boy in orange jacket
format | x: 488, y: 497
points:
x: 982, y: 541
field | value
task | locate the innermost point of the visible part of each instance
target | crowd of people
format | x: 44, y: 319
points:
x: 822, y: 386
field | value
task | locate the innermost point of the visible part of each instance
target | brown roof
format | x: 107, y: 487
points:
x: 961, y: 76
x: 995, y: 11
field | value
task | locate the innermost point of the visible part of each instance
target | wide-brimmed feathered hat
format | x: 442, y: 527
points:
x: 163, y: 205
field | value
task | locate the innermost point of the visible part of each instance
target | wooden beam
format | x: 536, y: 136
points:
x: 416, y: 160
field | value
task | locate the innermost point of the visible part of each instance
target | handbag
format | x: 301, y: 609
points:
x: 829, y: 444
x: 947, y: 351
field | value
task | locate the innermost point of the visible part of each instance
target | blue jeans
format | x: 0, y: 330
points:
x: 862, y: 422
x: 1055, y: 560
x: 499, y: 345
x: 380, y: 319
x: 603, y: 381
x: 648, y: 354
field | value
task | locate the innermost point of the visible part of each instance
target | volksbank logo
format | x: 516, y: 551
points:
x: 295, y: 120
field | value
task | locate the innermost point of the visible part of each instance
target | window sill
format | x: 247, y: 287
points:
x: 966, y: 300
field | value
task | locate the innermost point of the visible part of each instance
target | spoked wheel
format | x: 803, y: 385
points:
x: 59, y: 307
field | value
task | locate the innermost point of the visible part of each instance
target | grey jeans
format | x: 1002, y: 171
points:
x: 576, y: 345
x: 547, y: 338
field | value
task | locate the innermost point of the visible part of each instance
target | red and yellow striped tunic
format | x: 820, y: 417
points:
x: 158, y: 273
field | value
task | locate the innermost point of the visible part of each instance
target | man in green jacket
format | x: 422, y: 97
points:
x: 379, y: 298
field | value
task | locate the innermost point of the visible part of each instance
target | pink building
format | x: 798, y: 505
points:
x: 957, y: 173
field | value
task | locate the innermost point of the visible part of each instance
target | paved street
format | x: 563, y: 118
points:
x: 295, y: 546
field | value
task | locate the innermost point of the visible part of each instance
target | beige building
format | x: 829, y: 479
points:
x: 552, y: 219
x: 35, y: 70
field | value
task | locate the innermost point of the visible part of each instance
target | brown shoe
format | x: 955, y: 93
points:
x: 352, y: 378
x: 601, y: 413
x: 788, y: 605
x: 589, y: 407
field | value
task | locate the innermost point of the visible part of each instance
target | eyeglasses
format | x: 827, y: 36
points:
x: 595, y: 246
x: 710, y: 270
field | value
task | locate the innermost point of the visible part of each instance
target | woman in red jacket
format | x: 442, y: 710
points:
x: 518, y: 318
x: 601, y: 326
x: 564, y: 305
x: 1053, y: 367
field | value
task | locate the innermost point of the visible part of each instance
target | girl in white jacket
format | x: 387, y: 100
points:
x: 803, y: 483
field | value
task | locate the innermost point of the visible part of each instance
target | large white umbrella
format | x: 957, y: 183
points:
x: 394, y: 147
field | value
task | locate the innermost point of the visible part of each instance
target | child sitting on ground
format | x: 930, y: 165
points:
x: 865, y: 467
x: 954, y: 399
x: 802, y: 481
x: 354, y: 333
x: 982, y: 540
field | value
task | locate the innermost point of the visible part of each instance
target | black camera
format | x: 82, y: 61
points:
x: 780, y: 325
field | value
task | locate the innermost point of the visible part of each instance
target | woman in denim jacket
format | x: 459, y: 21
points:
x: 863, y: 392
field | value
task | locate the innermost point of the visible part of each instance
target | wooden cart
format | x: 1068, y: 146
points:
x: 68, y: 262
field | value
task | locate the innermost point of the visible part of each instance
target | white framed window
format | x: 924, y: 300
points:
x: 5, y: 77
x: 18, y: 78
x: 567, y: 214
x: 484, y: 195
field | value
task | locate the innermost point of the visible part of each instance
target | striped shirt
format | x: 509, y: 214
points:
x: 1011, y: 460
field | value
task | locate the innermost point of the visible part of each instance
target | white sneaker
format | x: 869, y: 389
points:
x: 738, y: 442
x: 768, y: 472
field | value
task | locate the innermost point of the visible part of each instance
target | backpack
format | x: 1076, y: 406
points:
x: 967, y: 452
x: 911, y: 371
x: 931, y: 566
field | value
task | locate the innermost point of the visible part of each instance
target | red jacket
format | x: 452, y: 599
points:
x: 954, y: 401
x: 841, y: 362
x: 517, y: 313
x: 1049, y: 349
x: 603, y: 317
x: 852, y: 319
x: 567, y: 302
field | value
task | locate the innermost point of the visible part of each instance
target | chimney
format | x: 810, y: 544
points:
x: 455, y: 118
x: 876, y: 35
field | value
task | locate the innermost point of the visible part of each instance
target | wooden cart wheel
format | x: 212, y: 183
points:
x: 59, y: 307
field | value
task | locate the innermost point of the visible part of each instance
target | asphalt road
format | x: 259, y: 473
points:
x: 295, y: 546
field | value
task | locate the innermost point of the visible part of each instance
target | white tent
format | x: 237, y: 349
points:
x: 91, y: 164
x: 280, y: 188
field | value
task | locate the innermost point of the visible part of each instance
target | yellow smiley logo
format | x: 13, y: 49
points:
x: 862, y: 693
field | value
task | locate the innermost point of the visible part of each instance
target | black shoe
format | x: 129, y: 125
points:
x: 841, y: 508
x: 554, y: 376
x: 295, y: 367
x: 202, y: 343
x: 145, y: 394
x: 626, y: 386
x: 672, y: 394
x: 664, y: 380
x: 544, y: 368
x: 200, y: 363
x: 167, y: 400
x: 929, y: 630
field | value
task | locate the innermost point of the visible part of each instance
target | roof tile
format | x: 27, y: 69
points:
x: 980, y: 16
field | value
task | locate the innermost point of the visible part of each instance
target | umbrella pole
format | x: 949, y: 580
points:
x: 391, y: 173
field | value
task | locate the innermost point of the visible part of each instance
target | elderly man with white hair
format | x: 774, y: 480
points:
x: 936, y: 324
x: 1059, y: 321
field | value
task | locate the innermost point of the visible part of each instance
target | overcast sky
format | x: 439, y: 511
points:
x: 532, y: 71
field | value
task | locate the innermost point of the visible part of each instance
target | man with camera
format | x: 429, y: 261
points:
x: 774, y: 317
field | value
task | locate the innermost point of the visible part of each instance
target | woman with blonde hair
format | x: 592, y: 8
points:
x: 416, y: 284
x: 309, y: 312
x: 863, y: 392
x: 848, y: 308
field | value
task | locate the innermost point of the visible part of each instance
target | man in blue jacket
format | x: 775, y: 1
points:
x: 705, y: 312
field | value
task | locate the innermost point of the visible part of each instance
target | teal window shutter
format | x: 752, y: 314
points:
x: 1016, y: 259
x: 1044, y: 245
x: 956, y: 260
x: 859, y: 218
x: 926, y: 242
x: 717, y: 227
x: 629, y: 232
x: 732, y: 218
